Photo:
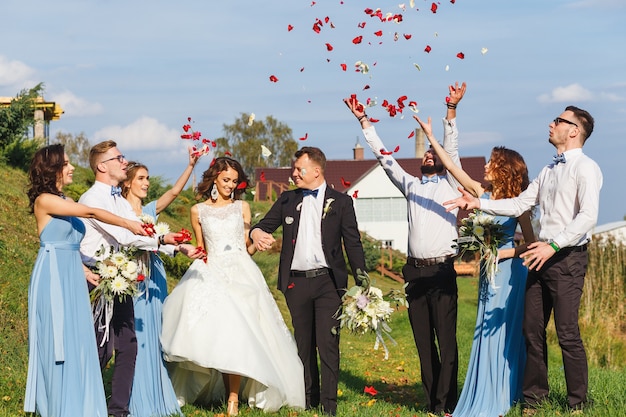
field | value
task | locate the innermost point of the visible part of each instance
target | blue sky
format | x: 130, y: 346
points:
x: 135, y: 70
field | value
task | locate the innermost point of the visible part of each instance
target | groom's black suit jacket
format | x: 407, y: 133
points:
x: 338, y: 225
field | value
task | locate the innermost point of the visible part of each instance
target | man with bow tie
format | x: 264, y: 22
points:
x: 432, y: 290
x: 568, y: 193
x: 318, y: 224
x: 109, y: 167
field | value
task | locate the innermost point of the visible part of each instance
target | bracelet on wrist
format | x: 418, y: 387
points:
x: 554, y: 246
x: 161, y: 239
x: 451, y: 105
x: 362, y: 117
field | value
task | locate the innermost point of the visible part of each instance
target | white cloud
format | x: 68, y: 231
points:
x: 75, y: 106
x: 145, y: 134
x: 610, y: 97
x: 572, y: 92
x: 15, y: 74
x: 605, y: 4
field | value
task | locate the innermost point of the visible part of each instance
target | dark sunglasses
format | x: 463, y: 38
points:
x: 562, y: 120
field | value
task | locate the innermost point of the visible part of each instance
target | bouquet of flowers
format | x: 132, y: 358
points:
x: 120, y: 273
x: 151, y: 228
x: 366, y: 309
x: 480, y: 233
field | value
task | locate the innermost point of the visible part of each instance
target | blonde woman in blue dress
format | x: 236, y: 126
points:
x: 222, y: 330
x: 64, y: 378
x: 493, y: 382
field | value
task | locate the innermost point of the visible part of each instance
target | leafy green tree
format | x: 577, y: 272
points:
x: 16, y: 149
x: 245, y: 142
x: 76, y: 147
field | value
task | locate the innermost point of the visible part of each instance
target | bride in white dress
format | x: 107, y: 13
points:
x: 223, y: 334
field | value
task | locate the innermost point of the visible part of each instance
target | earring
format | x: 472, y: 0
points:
x: 214, y: 193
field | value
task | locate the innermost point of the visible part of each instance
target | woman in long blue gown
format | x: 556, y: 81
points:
x: 152, y: 394
x: 64, y: 376
x: 493, y: 382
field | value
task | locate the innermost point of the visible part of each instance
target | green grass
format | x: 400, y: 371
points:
x: 397, y: 379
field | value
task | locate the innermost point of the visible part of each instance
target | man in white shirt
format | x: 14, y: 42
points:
x: 432, y: 290
x: 568, y: 193
x: 109, y: 166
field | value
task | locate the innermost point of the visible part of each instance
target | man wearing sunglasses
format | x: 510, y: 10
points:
x: 109, y: 167
x: 567, y: 192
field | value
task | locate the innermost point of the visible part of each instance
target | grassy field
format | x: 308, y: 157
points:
x: 397, y: 379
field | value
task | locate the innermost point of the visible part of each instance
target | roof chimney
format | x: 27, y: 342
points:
x: 359, y: 152
x: 419, y: 143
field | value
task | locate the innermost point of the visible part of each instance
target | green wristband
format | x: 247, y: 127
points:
x: 555, y: 246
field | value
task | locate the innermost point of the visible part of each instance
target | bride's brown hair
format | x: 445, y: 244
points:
x: 45, y: 171
x: 218, y: 165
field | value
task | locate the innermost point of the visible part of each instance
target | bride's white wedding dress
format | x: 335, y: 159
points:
x: 222, y: 318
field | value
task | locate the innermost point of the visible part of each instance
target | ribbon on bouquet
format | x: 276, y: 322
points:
x: 491, y: 266
x: 103, y: 308
x: 381, y: 341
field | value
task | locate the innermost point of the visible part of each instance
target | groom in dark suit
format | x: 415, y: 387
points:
x: 312, y: 274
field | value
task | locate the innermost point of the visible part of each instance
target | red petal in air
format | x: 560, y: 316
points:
x: 411, y: 134
x: 372, y: 120
x: 289, y: 28
x: 301, y: 69
x: 357, y: 40
x: 329, y: 47
x: 397, y: 148
x: 427, y: 49
x: 460, y: 55
x: 384, y: 152
x: 362, y: 25
x: 407, y: 36
x: 355, y: 194
x: 344, y: 67
x: 262, y: 176
x: 273, y: 78
x: 345, y: 183
x: 379, y: 33
x: 327, y: 19
x: 227, y: 153
x: 189, y: 119
x: 433, y: 8
x: 366, y: 87
x: 316, y: 28
x: 305, y: 137
x: 242, y: 185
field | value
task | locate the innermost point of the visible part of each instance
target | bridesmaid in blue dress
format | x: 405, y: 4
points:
x: 493, y: 382
x: 64, y: 376
x: 152, y: 394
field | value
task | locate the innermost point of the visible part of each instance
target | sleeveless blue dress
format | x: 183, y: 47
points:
x: 493, y: 382
x: 64, y: 377
x: 152, y: 394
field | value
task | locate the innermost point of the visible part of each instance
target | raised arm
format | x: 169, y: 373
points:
x: 171, y: 194
x: 474, y: 187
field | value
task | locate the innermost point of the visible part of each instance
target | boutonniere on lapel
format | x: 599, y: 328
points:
x: 329, y: 201
x: 299, y: 206
x: 288, y: 220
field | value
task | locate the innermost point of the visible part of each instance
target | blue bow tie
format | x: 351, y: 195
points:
x: 310, y: 192
x: 434, y: 178
x: 560, y: 158
x: 116, y: 191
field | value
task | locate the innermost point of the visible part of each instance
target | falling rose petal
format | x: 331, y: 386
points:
x: 242, y: 185
x: 301, y: 69
x: 273, y: 78
x: 412, y: 4
x: 460, y: 55
x: 329, y: 47
x: 433, y: 8
x: 305, y: 137
x: 332, y: 25
x: 357, y: 40
x: 407, y: 36
x: 345, y: 183
x: 327, y: 19
x: 366, y: 87
x: 312, y: 3
x: 384, y: 152
x: 483, y: 51
x: 214, y: 144
x: 428, y: 49
x: 227, y: 153
x: 417, y: 66
x: 355, y: 194
x: 402, y: 6
x: 411, y: 134
x: 262, y: 176
x: 378, y: 33
x: 397, y: 148
x: 186, y: 128
x: 452, y: 1
x: 447, y: 99
x: 289, y: 28
x: 317, y: 28
x: 370, y: 390
x: 372, y: 120
x: 344, y: 67
x: 189, y: 119
x: 265, y: 152
x: 361, y: 25
x: 447, y: 67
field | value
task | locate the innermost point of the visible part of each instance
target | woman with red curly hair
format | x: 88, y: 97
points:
x: 493, y: 382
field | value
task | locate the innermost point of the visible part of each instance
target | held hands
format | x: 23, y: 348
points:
x: 465, y: 202
x: 537, y: 255
x: 191, y: 251
x: 262, y: 240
